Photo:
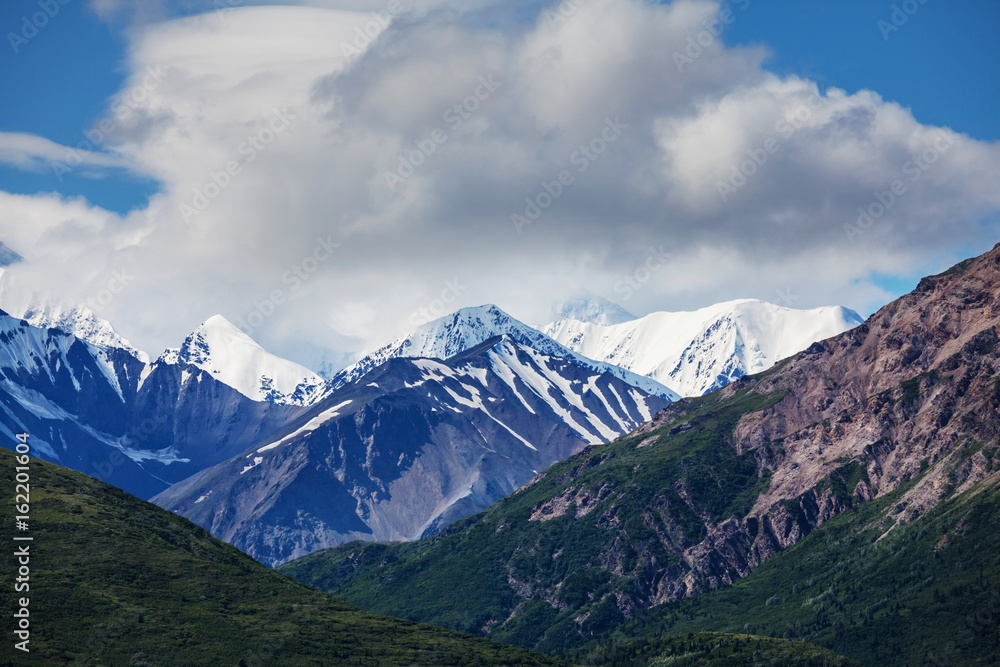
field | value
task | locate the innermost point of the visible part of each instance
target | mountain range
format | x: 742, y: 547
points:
x: 185, y: 426
x: 412, y: 446
x: 468, y: 327
x: 495, y: 480
x: 847, y: 496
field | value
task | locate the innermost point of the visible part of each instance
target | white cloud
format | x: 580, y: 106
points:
x: 33, y: 153
x: 313, y: 133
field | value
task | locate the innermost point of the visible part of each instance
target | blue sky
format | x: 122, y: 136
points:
x: 943, y: 62
x: 656, y: 188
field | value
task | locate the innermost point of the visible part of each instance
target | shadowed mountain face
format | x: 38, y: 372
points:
x: 904, y: 409
x: 104, y: 412
x: 411, y: 447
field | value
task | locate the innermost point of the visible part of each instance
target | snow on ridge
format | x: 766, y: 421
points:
x: 469, y: 327
x: 593, y: 309
x: 232, y: 357
x: 78, y: 321
x: 697, y: 351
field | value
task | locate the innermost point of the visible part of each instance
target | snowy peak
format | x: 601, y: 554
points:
x: 81, y: 322
x: 469, y: 327
x: 696, y: 352
x: 592, y: 309
x: 45, y: 312
x: 219, y: 348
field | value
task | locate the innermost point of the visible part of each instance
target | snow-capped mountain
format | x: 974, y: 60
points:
x: 696, y: 352
x: 102, y: 411
x: 230, y: 356
x: 469, y: 327
x: 593, y: 309
x: 49, y: 313
x: 412, y: 446
x: 71, y: 398
x: 81, y: 322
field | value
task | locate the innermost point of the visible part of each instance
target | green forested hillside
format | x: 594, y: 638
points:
x: 118, y: 581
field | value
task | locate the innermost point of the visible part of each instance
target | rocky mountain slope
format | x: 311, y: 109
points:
x: 412, y: 446
x: 907, y: 403
x: 925, y: 593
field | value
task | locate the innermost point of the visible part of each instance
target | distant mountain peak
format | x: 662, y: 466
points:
x: 219, y: 348
x: 80, y: 322
x: 592, y: 309
x: 695, y: 352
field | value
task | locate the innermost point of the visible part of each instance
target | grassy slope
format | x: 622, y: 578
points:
x: 926, y: 593
x: 116, y: 580
x: 459, y: 579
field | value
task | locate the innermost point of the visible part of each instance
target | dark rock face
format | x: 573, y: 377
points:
x: 862, y: 413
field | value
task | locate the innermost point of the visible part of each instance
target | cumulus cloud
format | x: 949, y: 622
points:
x: 328, y: 174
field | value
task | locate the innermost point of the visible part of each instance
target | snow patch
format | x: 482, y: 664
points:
x: 310, y: 426
x: 257, y: 460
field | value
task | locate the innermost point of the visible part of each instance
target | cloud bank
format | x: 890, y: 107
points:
x: 331, y: 176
